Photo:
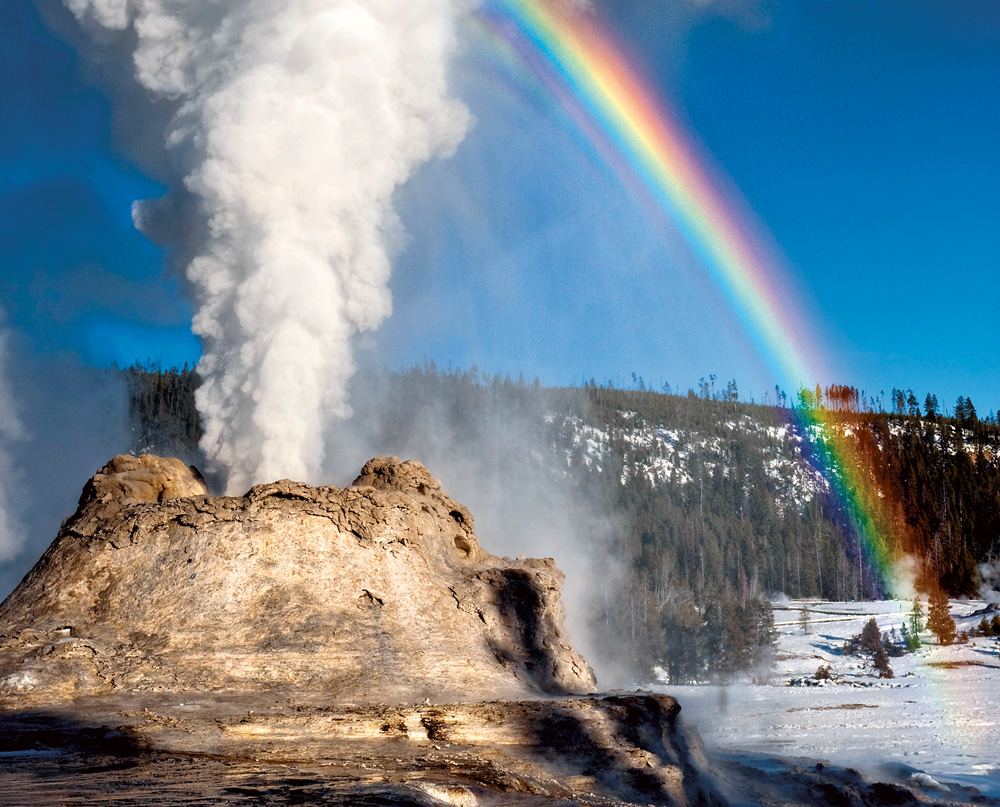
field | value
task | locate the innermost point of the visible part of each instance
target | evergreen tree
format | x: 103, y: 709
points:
x: 871, y: 637
x: 766, y: 641
x: 960, y: 411
x: 931, y: 406
x: 682, y: 633
x: 995, y: 624
x: 737, y: 651
x: 714, y: 641
x: 970, y: 414
x: 917, y: 619
x: 898, y: 401
x: 939, y: 621
x: 880, y: 661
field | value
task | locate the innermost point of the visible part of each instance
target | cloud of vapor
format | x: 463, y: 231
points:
x: 291, y: 123
x: 11, y: 432
x: 989, y: 585
x: 902, y: 577
x: 59, y: 423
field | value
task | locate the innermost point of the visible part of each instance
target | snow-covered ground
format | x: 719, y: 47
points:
x: 939, y: 715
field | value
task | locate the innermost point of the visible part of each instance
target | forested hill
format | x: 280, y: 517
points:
x: 712, y: 498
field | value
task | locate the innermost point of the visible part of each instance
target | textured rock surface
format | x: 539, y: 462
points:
x: 216, y: 751
x: 309, y: 645
x: 626, y: 749
x: 375, y: 593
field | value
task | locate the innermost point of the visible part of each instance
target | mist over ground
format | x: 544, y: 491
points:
x: 68, y: 420
x: 492, y: 457
x: 11, y: 432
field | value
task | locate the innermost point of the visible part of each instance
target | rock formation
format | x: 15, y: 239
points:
x: 377, y: 593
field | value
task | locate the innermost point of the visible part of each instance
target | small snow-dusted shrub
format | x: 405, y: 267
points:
x: 823, y: 673
x: 893, y: 646
x: 911, y: 641
x: 880, y: 661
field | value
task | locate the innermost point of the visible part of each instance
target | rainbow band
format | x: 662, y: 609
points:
x: 858, y: 494
x: 582, y: 66
x: 596, y: 74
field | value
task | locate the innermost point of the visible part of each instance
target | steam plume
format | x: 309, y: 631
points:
x: 291, y: 123
x: 11, y: 430
x: 989, y: 577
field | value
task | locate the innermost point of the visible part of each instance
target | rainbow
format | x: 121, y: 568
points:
x: 582, y: 66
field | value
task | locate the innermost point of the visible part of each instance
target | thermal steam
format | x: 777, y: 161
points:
x: 291, y: 123
x: 11, y: 431
x: 989, y: 577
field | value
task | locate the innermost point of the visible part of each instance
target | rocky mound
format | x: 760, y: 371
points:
x: 377, y: 593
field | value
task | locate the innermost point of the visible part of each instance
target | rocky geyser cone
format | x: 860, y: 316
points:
x: 377, y: 593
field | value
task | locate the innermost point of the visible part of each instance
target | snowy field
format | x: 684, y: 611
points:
x: 940, y: 715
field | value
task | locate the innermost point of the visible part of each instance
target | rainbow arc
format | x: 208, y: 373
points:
x: 590, y: 75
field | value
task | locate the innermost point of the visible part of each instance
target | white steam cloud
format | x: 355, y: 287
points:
x: 989, y: 581
x: 11, y: 432
x: 903, y: 577
x: 292, y: 123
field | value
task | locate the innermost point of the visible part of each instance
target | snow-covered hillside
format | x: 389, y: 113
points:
x: 686, y: 456
x: 666, y: 453
x: 938, y: 716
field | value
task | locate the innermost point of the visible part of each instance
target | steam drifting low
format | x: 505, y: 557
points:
x: 293, y: 122
x: 11, y: 430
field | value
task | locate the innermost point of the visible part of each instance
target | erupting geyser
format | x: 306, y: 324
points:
x: 294, y: 122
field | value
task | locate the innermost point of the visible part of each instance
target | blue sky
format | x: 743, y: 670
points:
x: 863, y: 134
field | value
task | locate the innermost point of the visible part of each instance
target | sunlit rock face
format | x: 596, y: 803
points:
x: 361, y: 633
x: 377, y: 593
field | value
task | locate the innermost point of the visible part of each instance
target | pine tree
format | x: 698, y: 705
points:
x: 682, y: 627
x: 970, y: 414
x: 714, y: 642
x: 984, y: 628
x: 939, y: 621
x: 765, y: 641
x: 995, y: 624
x: 871, y: 637
x: 917, y: 618
x: 931, y: 406
x: 880, y: 661
x: 960, y: 410
x: 737, y: 649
